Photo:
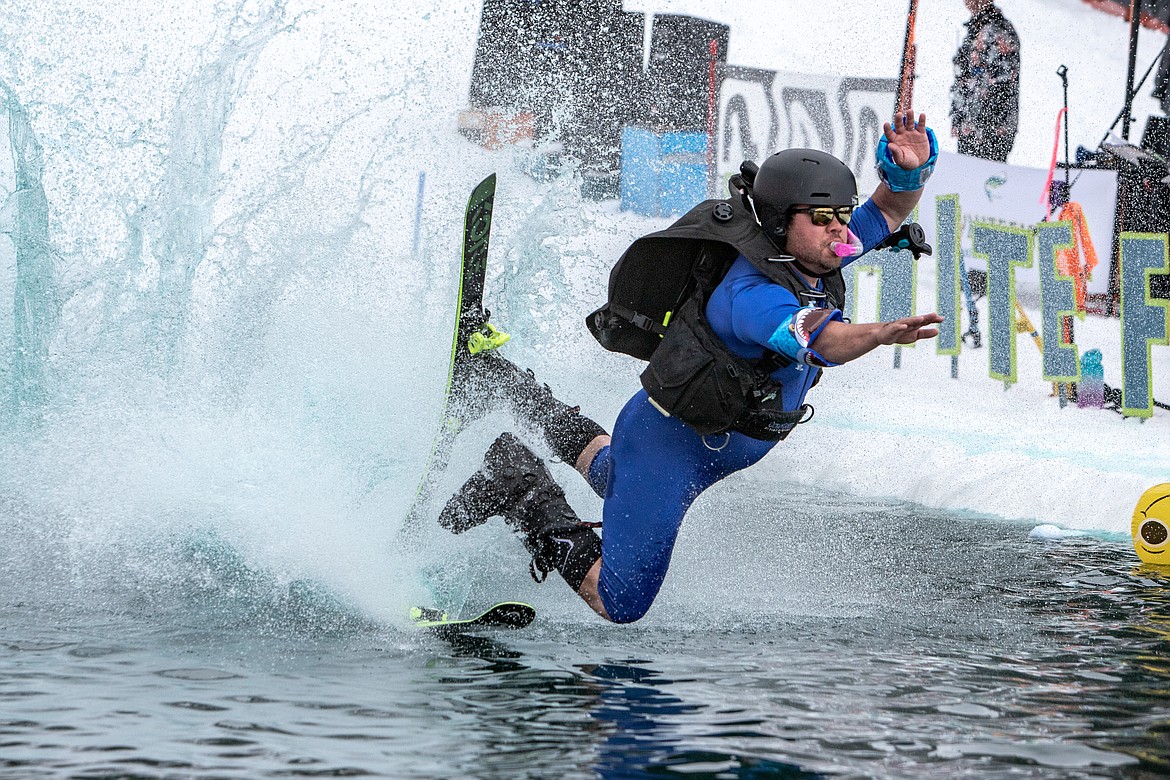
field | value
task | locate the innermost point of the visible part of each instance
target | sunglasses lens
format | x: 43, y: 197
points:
x: 823, y: 215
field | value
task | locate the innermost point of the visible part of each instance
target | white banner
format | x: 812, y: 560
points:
x: 762, y: 112
x: 1011, y: 195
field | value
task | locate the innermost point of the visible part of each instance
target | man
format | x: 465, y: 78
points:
x: 985, y: 97
x: 654, y: 466
x: 1162, y: 80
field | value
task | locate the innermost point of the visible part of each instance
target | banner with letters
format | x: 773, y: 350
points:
x: 1012, y: 196
x: 763, y: 111
x: 978, y: 215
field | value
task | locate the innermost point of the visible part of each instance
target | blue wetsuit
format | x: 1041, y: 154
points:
x: 656, y: 466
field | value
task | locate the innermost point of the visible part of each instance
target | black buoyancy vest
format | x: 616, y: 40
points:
x: 655, y: 275
x: 666, y: 278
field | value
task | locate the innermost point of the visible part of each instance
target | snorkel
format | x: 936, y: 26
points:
x: 851, y: 248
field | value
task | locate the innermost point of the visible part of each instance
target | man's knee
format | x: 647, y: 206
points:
x: 627, y: 607
x: 623, y: 619
x: 627, y: 614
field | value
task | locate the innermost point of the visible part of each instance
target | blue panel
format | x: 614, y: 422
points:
x: 639, y: 179
x: 663, y: 174
x: 1144, y: 320
x: 1004, y: 248
x: 1057, y: 300
x: 691, y: 147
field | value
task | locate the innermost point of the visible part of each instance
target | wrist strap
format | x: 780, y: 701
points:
x: 898, y: 178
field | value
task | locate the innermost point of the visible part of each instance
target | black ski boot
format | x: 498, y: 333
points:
x: 516, y: 485
x: 566, y: 430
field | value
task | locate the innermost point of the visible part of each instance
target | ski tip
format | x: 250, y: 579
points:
x: 507, y: 614
x: 425, y: 615
x: 512, y: 614
x: 487, y: 185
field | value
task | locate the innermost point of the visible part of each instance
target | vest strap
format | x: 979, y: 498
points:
x: 638, y: 320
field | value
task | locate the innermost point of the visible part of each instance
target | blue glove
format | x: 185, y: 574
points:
x: 898, y: 178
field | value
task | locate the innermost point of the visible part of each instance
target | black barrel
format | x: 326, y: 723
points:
x: 679, y: 72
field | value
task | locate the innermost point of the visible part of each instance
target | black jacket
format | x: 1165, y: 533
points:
x: 985, y: 97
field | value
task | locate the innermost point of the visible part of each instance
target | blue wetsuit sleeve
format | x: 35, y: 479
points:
x: 770, y: 316
x: 758, y: 308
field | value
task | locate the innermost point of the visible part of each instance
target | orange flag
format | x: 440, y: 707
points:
x: 1068, y: 261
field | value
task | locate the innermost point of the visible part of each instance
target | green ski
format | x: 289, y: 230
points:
x: 473, y: 335
x: 508, y: 614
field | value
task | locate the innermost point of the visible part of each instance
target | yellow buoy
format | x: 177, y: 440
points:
x: 1151, y: 525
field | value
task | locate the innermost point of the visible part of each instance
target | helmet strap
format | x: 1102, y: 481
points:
x: 778, y: 241
x: 777, y: 234
x: 800, y: 267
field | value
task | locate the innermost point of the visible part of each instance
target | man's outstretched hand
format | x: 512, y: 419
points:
x: 909, y: 329
x: 907, y: 139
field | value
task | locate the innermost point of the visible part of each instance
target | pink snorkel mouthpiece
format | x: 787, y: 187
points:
x: 850, y: 249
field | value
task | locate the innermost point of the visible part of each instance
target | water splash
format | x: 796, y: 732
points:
x: 246, y: 348
x: 206, y: 344
x: 182, y: 209
x: 24, y: 218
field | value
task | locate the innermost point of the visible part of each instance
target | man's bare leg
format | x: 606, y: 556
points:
x: 585, y: 459
x: 588, y: 589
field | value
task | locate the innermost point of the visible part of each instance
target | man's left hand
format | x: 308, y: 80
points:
x: 907, y: 139
x: 908, y: 329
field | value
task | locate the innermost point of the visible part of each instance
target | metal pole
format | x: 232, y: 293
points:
x: 1067, y: 321
x: 712, y: 118
x: 1135, y: 20
x: 1134, y: 91
x: 904, y: 97
x: 1062, y: 71
x: 416, y: 244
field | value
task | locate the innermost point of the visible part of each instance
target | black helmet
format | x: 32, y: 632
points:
x: 799, y: 176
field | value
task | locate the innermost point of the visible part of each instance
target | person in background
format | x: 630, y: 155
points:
x: 985, y: 97
x: 1162, y: 81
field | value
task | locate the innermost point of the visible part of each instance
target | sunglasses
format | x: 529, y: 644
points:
x: 823, y: 215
